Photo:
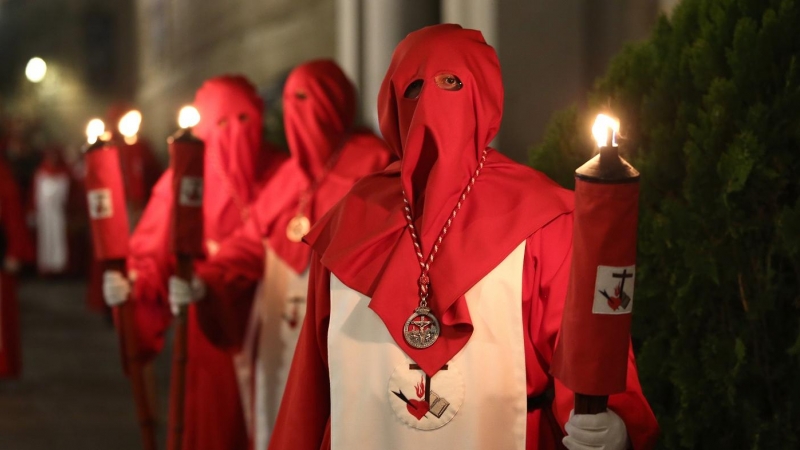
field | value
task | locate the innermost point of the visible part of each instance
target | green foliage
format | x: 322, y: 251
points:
x: 710, y: 108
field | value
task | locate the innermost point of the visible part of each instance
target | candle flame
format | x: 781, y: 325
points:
x: 188, y: 117
x: 601, y: 128
x: 129, y: 124
x: 94, y: 130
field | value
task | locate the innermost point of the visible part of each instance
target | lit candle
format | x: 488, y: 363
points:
x: 592, y: 354
x: 607, y: 165
x: 128, y: 126
x: 94, y: 130
x: 108, y: 217
x: 186, y: 161
x: 105, y: 195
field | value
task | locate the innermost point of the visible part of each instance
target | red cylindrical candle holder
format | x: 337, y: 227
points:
x: 105, y: 193
x: 591, y: 357
x: 187, y: 157
x: 108, y: 215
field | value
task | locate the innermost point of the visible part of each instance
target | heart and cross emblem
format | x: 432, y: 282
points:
x: 417, y: 404
x: 614, y: 290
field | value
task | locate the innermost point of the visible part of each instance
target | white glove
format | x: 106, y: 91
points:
x: 116, y: 288
x: 604, y: 431
x: 181, y: 292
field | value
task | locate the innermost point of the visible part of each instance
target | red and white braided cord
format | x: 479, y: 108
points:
x: 424, y: 278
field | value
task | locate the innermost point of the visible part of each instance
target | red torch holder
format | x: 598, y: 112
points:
x: 186, y: 161
x: 592, y: 353
x: 109, y: 223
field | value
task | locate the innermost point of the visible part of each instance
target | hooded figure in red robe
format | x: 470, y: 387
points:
x: 403, y: 350
x: 236, y: 164
x: 328, y: 155
x: 15, y: 248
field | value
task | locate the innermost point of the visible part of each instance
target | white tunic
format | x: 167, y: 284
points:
x: 52, y: 191
x: 379, y: 400
x: 263, y: 365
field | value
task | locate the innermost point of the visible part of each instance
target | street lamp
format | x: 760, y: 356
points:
x: 36, y: 70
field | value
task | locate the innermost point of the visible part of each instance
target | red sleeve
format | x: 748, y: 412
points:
x: 231, y: 277
x: 304, y: 418
x: 18, y: 240
x: 546, y: 271
x: 150, y: 264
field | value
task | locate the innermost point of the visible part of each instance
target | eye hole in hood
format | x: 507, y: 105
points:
x: 448, y: 82
x: 413, y: 90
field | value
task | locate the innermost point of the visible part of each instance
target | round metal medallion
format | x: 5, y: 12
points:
x: 421, y: 329
x: 297, y: 228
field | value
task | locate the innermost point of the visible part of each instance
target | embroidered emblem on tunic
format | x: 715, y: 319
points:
x: 423, y: 402
x: 614, y: 290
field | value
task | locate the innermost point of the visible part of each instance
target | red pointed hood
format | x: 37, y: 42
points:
x: 230, y: 125
x: 328, y: 155
x: 441, y: 134
x: 319, y: 108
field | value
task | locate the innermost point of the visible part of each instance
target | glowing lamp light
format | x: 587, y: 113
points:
x: 188, y: 117
x: 36, y: 70
x: 94, y: 130
x: 604, y: 124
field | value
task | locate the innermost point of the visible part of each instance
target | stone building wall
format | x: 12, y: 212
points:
x: 551, y: 53
x: 183, y: 42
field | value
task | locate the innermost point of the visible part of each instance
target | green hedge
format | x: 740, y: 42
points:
x: 710, y: 109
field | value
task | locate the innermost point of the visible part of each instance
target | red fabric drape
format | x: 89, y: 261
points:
x: 545, y: 280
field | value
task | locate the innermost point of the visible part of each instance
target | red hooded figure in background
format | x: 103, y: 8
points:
x: 15, y: 248
x: 328, y: 155
x: 236, y: 163
x: 139, y: 166
x: 436, y: 286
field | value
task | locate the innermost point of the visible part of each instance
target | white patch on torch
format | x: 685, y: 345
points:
x: 100, y: 204
x: 613, y: 290
x: 191, y: 192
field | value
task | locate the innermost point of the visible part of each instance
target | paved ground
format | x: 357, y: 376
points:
x: 72, y: 394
